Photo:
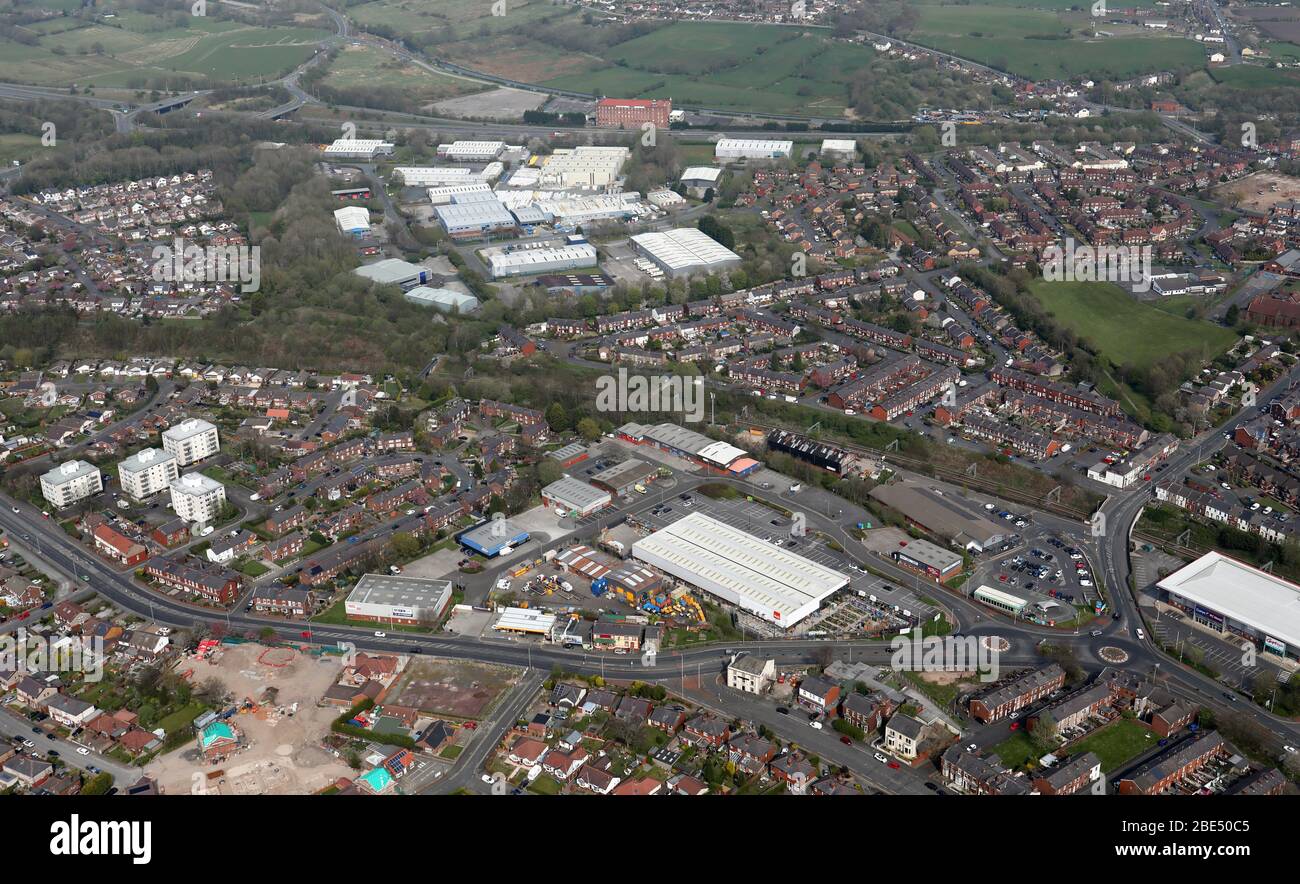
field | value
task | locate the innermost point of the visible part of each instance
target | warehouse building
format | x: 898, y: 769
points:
x: 752, y: 149
x: 768, y: 581
x: 694, y: 446
x: 959, y: 521
x: 358, y: 149
x: 445, y: 194
x: 492, y: 538
x: 839, y: 148
x: 433, y: 176
x: 444, y: 299
x: 525, y: 621
x: 622, y: 478
x: 390, y: 598
x: 527, y: 262
x: 147, y: 472
x: 923, y: 557
x: 683, y: 251
x: 583, y: 166
x: 575, y: 497
x: 473, y: 218
x: 1235, y: 600
x: 819, y: 454
x: 353, y: 221
x: 71, y: 481
x: 472, y: 151
x: 394, y: 271
x: 698, y: 179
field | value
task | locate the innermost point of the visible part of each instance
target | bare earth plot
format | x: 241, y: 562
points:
x: 499, y: 104
x: 458, y: 688
x: 1255, y: 193
x: 283, y: 755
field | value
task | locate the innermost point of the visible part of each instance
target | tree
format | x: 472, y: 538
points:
x: 588, y: 429
x: 556, y: 417
x: 405, y: 545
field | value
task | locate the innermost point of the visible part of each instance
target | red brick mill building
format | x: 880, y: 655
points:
x: 632, y: 113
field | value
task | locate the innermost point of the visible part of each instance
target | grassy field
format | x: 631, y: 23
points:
x: 17, y: 146
x: 760, y: 67
x: 1116, y: 743
x: 1244, y: 76
x: 1045, y: 38
x: 131, y: 48
x: 1124, y: 329
x: 368, y: 68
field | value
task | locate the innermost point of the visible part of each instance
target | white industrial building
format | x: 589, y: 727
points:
x: 1238, y: 602
x: 394, y: 271
x: 358, y: 148
x: 583, y: 166
x: 197, y: 498
x: 147, y: 472
x: 472, y: 151
x: 575, y: 496
x: 752, y: 149
x: 474, y: 217
x: 760, y: 577
x: 665, y: 199
x: 353, y: 220
x: 389, y: 598
x: 684, y: 250
x: 443, y: 299
x: 71, y: 481
x: 840, y: 148
x: 430, y: 176
x: 526, y: 262
x: 444, y: 194
x: 191, y: 440
x: 701, y: 177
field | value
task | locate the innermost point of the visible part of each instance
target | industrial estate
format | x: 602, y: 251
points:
x: 863, y: 398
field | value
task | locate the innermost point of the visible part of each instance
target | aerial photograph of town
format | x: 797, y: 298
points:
x: 891, y: 399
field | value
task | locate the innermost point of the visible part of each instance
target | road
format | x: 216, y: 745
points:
x: 12, y: 725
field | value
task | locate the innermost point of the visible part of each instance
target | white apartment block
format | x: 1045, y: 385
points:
x: 70, y: 482
x: 191, y: 440
x: 196, y: 498
x: 147, y: 472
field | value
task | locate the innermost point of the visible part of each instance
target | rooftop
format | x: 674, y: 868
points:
x: 1247, y: 595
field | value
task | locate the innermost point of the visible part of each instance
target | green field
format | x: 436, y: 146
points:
x: 1125, y: 330
x: 364, y: 67
x: 1243, y: 76
x: 131, y: 48
x: 760, y: 67
x: 1043, y: 42
x: 16, y: 146
x: 1116, y: 743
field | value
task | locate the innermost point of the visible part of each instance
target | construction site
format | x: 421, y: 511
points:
x: 273, y: 694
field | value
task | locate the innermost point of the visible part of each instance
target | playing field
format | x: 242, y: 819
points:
x: 135, y: 47
x: 1125, y: 330
x: 1049, y: 42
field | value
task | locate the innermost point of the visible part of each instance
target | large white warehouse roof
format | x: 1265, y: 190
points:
x: 682, y: 248
x: 771, y: 582
x: 1245, y: 594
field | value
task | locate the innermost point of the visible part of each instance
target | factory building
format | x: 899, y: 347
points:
x: 683, y: 251
x: 768, y: 581
x: 433, y: 176
x: 588, y: 166
x: 353, y: 221
x: 358, y: 149
x: 575, y: 497
x: 394, y: 271
x: 467, y: 218
x: 752, y: 149
x: 526, y: 262
x: 472, y: 151
x: 445, y: 194
x: 389, y: 598
x: 632, y: 113
x: 698, y: 179
x: 444, y: 299
x: 493, y: 537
